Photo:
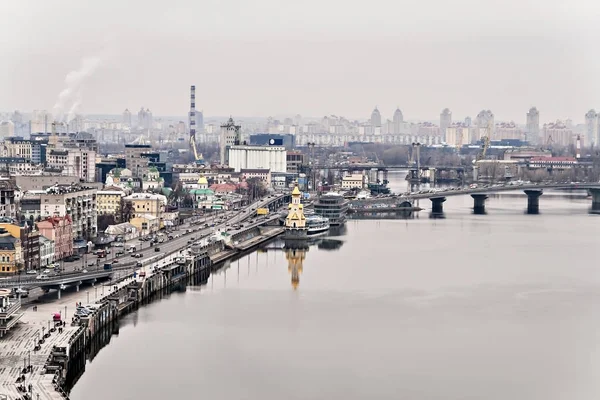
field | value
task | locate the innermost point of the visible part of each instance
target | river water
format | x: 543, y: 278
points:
x: 498, y: 306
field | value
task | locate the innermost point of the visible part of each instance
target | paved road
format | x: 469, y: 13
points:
x: 91, y: 263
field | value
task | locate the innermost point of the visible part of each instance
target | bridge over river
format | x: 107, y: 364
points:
x: 480, y: 194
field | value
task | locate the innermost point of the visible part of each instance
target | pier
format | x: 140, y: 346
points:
x: 40, y: 361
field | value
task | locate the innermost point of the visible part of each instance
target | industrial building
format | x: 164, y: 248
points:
x: 272, y: 158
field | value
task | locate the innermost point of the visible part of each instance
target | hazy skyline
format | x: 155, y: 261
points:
x: 271, y: 57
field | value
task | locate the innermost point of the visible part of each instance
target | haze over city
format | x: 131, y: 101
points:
x: 314, y: 58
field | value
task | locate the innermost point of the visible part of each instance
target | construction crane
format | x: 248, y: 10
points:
x: 485, y: 140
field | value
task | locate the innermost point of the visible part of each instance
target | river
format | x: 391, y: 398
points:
x: 498, y: 306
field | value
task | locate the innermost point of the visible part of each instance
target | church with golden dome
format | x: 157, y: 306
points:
x: 295, y: 222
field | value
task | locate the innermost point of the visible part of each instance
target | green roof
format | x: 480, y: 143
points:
x: 202, y: 191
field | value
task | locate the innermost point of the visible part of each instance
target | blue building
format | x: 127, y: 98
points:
x: 269, y: 139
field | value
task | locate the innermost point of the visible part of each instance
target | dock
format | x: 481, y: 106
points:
x: 50, y: 371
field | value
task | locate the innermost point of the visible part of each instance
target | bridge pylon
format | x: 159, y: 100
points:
x: 533, y: 200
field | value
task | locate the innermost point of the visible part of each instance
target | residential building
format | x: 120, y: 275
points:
x: 445, y: 120
x: 353, y: 181
x: 532, y: 129
x: 146, y: 224
x: 262, y: 174
x: 37, y: 182
x: 294, y: 161
x: 46, y: 252
x: 558, y: 134
x: 376, y: 118
x: 134, y: 161
x: 258, y: 157
x: 508, y: 130
x: 109, y: 201
x: 73, y: 162
x: 30, y: 245
x: 147, y: 204
x: 591, y: 127
x: 127, y: 118
x: 458, y: 135
x: 59, y: 230
x: 8, y: 207
x: 10, y: 253
x: 76, y: 201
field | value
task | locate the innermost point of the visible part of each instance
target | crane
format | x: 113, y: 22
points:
x: 485, y: 140
x: 197, y: 156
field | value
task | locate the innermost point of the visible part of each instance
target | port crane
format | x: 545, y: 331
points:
x: 485, y: 140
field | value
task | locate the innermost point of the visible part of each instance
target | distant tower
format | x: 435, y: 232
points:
x: 533, y: 125
x: 375, y: 118
x: 578, y: 148
x: 141, y: 121
x: 230, y: 136
x: 398, y: 120
x: 591, y: 128
x: 127, y: 117
x: 445, y: 121
x: 468, y: 121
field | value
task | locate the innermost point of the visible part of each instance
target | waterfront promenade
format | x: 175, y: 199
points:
x: 16, y: 348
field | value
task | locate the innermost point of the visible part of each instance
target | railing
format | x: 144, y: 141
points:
x: 10, y: 310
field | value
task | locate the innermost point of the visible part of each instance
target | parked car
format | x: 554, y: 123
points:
x: 157, y: 249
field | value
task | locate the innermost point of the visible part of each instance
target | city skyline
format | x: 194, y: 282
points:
x: 282, y: 61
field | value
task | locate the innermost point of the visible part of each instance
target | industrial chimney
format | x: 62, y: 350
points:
x: 193, y: 113
x: 578, y: 148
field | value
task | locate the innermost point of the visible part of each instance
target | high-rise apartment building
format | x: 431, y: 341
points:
x: 73, y: 162
x: 398, y: 120
x: 134, y: 161
x: 591, y: 127
x: 76, y: 201
x: 445, y: 120
x: 376, y: 118
x: 127, y: 118
x: 532, y: 129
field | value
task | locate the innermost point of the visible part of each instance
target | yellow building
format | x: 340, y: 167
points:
x: 10, y: 253
x: 146, y: 224
x: 147, y: 204
x: 296, y: 218
x: 109, y: 201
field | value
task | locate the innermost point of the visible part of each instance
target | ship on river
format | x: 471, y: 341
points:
x: 332, y: 206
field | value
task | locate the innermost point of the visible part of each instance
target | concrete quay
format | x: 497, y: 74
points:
x: 60, y: 361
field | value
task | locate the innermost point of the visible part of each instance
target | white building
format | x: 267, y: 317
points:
x: 74, y: 162
x: 46, y: 251
x: 353, y: 181
x: 272, y: 158
x: 230, y: 136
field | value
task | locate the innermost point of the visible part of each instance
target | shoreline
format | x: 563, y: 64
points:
x: 60, y: 362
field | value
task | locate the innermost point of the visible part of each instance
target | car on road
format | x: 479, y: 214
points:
x: 73, y: 257
x: 42, y: 277
x: 84, y: 271
x: 31, y: 272
x: 115, y: 261
x: 117, y: 244
x: 157, y: 249
x: 46, y: 271
x: 137, y: 255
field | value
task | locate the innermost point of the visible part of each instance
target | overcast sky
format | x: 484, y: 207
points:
x: 313, y: 57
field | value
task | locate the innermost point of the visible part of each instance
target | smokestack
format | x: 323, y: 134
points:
x: 578, y: 147
x: 193, y: 112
